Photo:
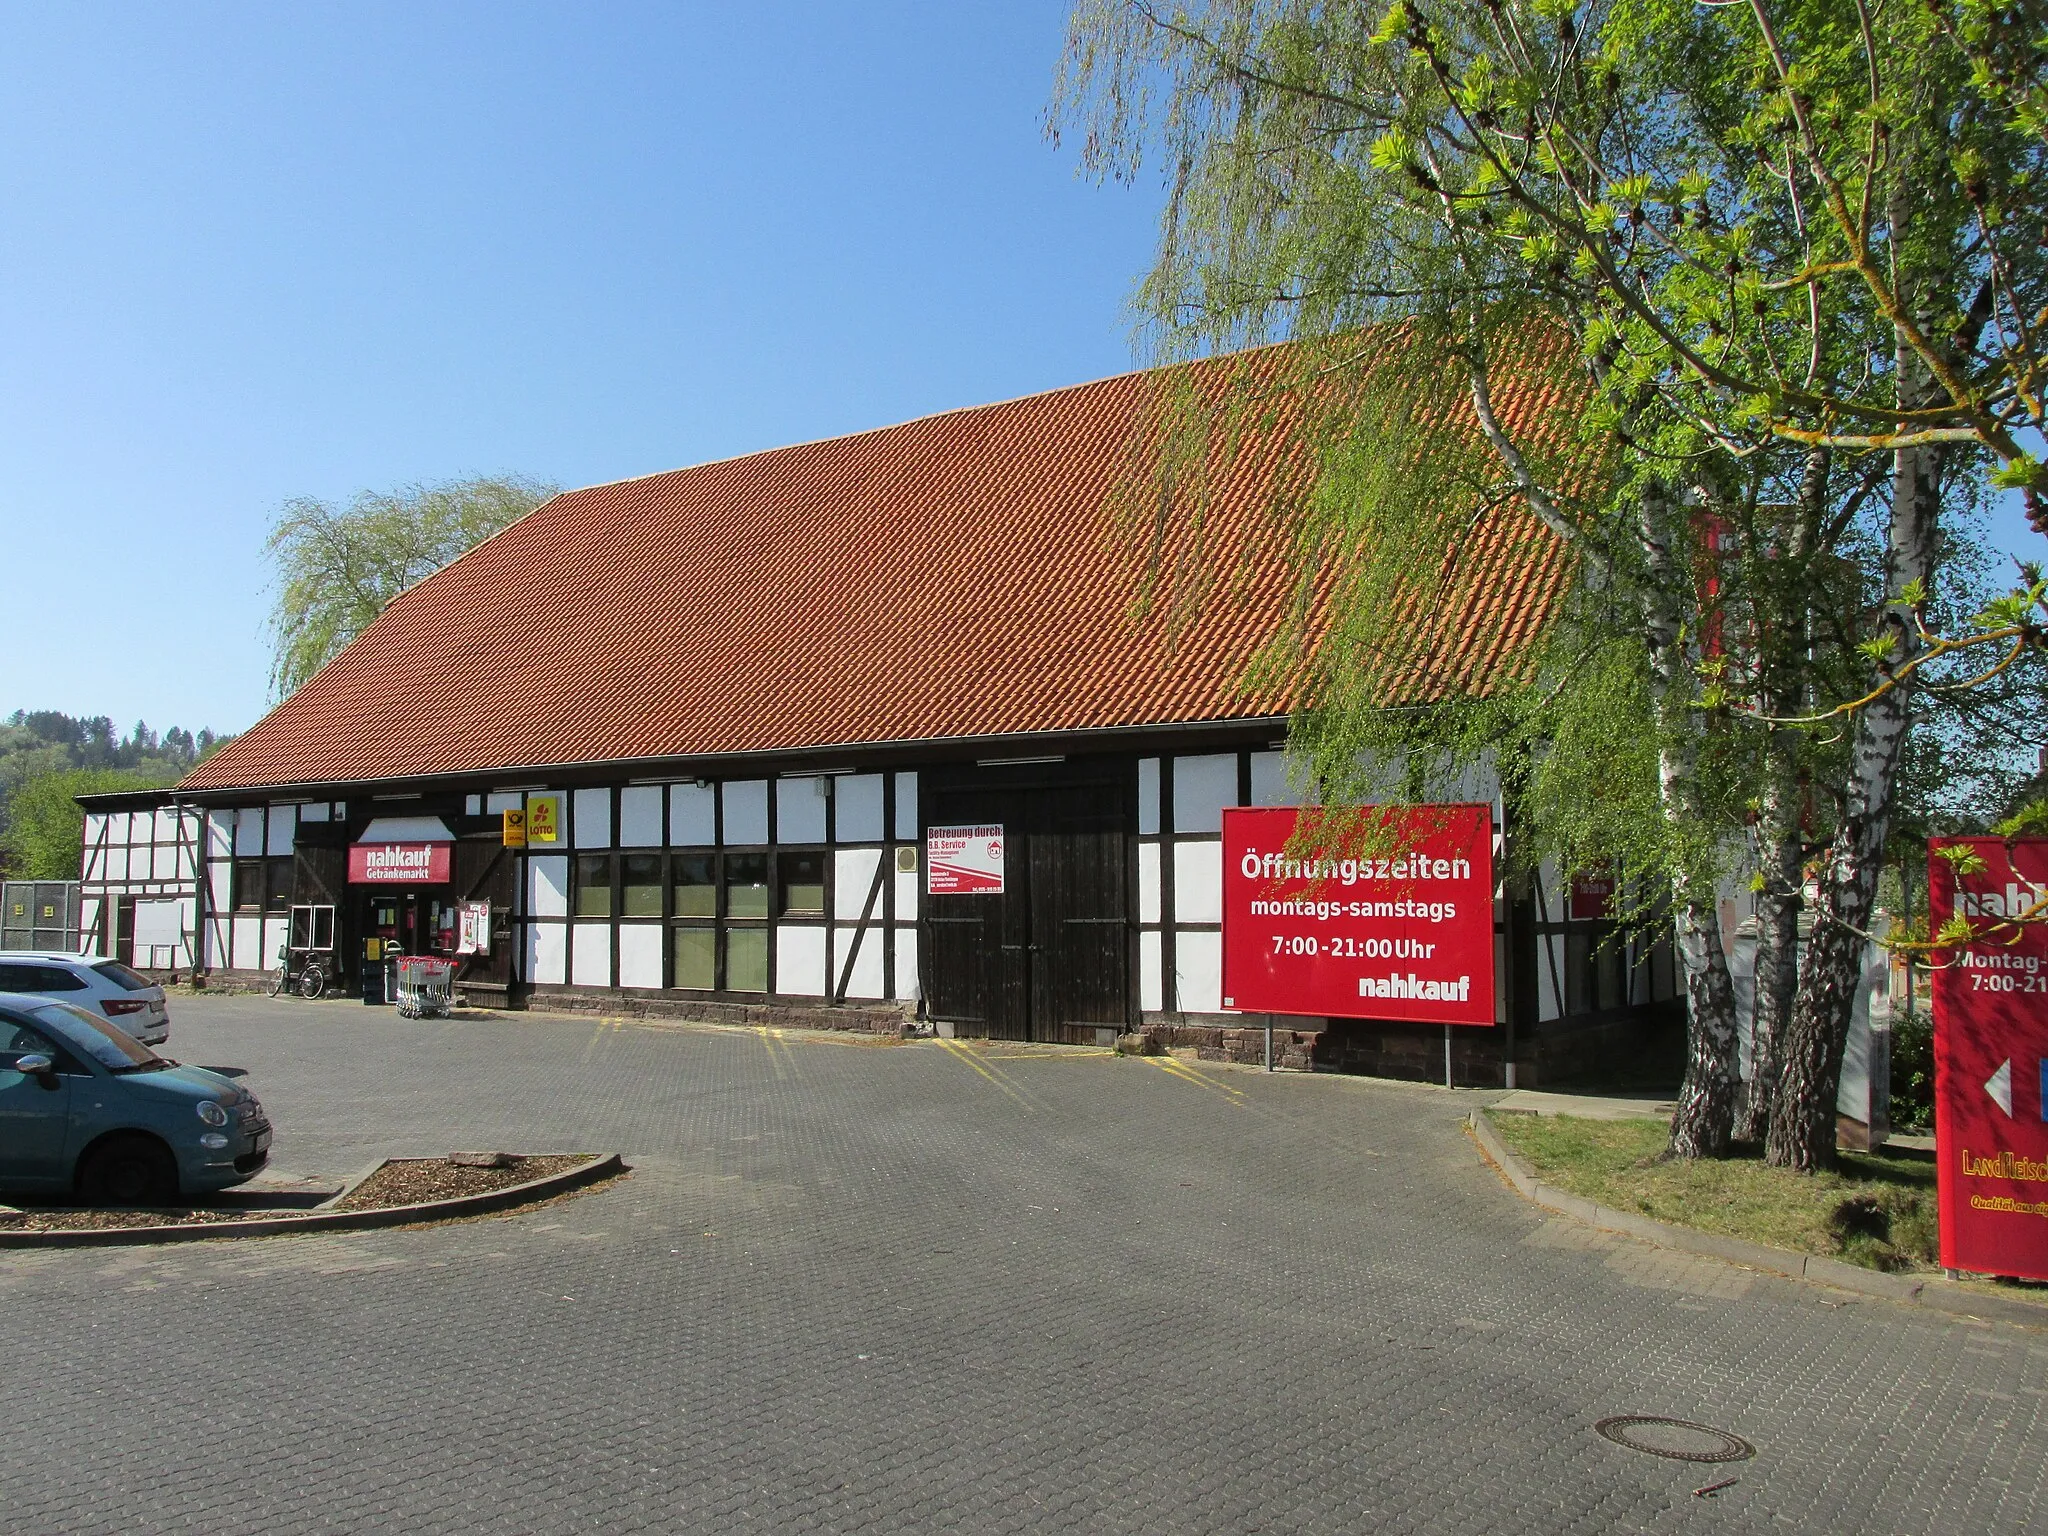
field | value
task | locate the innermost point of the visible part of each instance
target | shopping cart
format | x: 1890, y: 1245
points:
x: 426, y: 987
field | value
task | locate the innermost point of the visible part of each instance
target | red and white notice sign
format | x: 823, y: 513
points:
x: 963, y: 861
x: 1406, y: 936
x: 1991, y: 1060
x: 399, y: 863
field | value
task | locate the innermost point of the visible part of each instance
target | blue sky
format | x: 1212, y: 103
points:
x: 252, y: 252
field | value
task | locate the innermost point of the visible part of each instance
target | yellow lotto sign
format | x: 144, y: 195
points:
x: 543, y: 818
x: 515, y: 829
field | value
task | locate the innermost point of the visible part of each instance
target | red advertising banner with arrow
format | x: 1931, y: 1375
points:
x: 1991, y: 1056
x: 1401, y: 936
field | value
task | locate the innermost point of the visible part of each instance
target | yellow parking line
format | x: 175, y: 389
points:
x: 960, y: 1052
x: 768, y: 1045
x: 788, y: 1055
x: 596, y: 1035
x: 1188, y: 1074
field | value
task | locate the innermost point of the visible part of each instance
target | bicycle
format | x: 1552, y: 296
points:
x: 308, y: 980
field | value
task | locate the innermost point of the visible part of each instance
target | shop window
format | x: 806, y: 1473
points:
x: 696, y: 956
x: 801, y: 879
x: 593, y: 885
x: 249, y: 884
x: 746, y: 958
x: 696, y: 885
x: 640, y: 885
x: 746, y: 888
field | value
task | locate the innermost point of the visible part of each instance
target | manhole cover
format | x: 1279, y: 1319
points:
x: 1679, y: 1439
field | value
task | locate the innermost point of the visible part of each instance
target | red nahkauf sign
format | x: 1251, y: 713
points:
x: 1991, y: 1061
x: 398, y: 863
x: 1407, y: 936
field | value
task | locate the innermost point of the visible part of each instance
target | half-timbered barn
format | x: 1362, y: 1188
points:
x: 729, y: 703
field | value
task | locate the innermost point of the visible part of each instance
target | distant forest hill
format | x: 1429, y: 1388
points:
x: 47, y: 757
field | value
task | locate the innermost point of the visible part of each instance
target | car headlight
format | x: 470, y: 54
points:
x: 212, y: 1113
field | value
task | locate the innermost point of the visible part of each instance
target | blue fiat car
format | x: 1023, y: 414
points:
x: 89, y: 1111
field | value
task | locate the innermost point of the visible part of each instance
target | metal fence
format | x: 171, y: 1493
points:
x: 39, y: 914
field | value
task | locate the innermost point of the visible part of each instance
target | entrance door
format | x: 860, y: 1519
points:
x: 1049, y: 957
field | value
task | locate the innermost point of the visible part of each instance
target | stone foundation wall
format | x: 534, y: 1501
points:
x: 784, y: 1013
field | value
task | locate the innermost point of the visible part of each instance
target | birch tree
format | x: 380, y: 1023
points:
x: 1795, y: 246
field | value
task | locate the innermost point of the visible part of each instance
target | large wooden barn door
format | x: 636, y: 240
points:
x: 1080, y: 926
x: 1048, y: 958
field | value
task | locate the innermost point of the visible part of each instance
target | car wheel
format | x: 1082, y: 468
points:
x: 128, y: 1170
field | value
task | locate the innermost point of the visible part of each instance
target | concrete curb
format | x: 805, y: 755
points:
x: 601, y: 1166
x: 1913, y: 1290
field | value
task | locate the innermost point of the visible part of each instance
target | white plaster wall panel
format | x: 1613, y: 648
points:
x: 187, y: 861
x: 1148, y: 882
x: 116, y: 824
x: 906, y: 965
x: 284, y: 826
x: 593, y: 818
x: 746, y: 811
x: 1202, y: 787
x: 276, y: 935
x: 88, y: 919
x: 640, y: 816
x: 906, y: 807
x: 547, y: 886
x: 799, y: 961
x: 908, y: 886
x: 640, y: 954
x: 1148, y: 797
x: 248, y: 944
x: 866, y: 980
x: 692, y: 815
x: 853, y: 876
x: 504, y: 800
x: 167, y: 862
x: 857, y: 808
x: 1197, y: 882
x: 1274, y: 783
x: 800, y: 810
x: 220, y: 834
x: 216, y: 945
x: 164, y: 827
x: 1151, y: 980
x: 95, y: 828
x: 95, y: 865
x: 590, y: 954
x: 315, y: 812
x: 117, y: 863
x: 249, y: 832
x: 1198, y: 971
x: 547, y: 953
x: 220, y: 880
x: 1549, y: 969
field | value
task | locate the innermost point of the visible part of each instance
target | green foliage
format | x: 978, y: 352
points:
x: 41, y: 746
x: 337, y: 568
x: 2028, y: 821
x: 44, y: 837
x: 1912, y: 1063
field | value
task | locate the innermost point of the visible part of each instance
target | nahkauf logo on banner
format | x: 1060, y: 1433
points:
x: 1407, y: 936
x: 964, y: 861
x: 1991, y: 1057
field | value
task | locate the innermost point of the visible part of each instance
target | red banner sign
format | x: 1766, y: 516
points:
x: 1409, y: 936
x: 398, y: 863
x: 1991, y: 1060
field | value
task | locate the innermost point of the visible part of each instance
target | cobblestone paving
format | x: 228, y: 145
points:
x: 863, y: 1287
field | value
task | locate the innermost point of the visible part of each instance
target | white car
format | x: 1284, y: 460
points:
x: 132, y: 1003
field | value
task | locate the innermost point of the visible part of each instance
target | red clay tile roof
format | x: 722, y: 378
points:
x: 959, y: 576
